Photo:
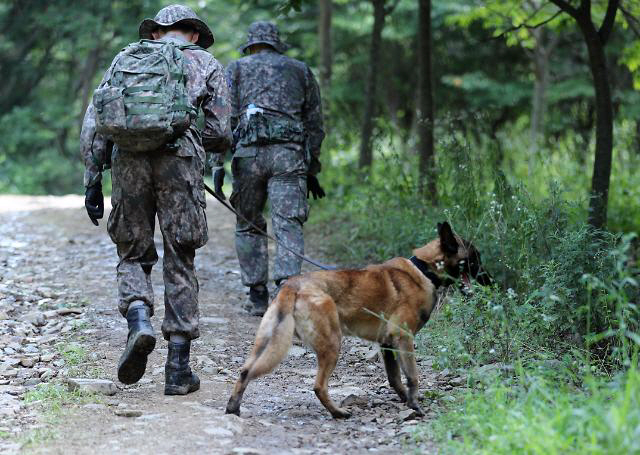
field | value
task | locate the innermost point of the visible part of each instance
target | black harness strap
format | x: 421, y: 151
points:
x: 424, y: 268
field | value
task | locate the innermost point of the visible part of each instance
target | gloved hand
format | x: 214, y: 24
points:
x: 94, y: 202
x: 313, y: 187
x: 218, y: 181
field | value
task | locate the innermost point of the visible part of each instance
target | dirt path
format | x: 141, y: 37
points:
x: 57, y: 298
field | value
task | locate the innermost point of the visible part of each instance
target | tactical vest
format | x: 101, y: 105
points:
x: 144, y: 105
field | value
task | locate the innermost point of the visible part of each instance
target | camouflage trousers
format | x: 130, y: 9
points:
x: 277, y: 172
x: 171, y: 187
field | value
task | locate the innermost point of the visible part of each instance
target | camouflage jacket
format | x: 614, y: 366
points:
x: 281, y: 85
x: 207, y: 90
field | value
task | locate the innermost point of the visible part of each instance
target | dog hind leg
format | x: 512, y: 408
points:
x: 273, y: 340
x: 319, y: 326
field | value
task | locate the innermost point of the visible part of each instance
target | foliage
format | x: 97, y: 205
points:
x: 545, y: 416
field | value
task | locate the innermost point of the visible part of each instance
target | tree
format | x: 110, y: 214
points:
x: 380, y: 12
x: 424, y: 114
x: 595, y: 40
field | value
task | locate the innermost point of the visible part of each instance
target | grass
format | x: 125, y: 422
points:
x: 52, y: 399
x: 544, y: 416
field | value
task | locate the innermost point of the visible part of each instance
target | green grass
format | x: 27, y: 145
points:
x: 544, y: 416
x: 52, y: 399
x: 72, y: 353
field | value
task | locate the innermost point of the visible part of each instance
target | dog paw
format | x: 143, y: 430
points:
x: 416, y: 407
x: 340, y: 413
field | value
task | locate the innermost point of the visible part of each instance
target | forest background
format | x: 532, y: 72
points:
x: 518, y: 121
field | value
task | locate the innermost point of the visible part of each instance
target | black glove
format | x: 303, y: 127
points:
x: 313, y: 187
x: 218, y: 181
x: 94, y: 202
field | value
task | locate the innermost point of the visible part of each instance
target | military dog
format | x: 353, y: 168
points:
x: 387, y: 303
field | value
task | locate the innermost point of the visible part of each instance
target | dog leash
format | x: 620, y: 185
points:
x: 264, y: 233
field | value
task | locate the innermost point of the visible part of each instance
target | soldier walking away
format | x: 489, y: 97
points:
x: 142, y: 124
x: 277, y: 123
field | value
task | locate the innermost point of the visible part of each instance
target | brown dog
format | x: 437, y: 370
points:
x: 387, y: 303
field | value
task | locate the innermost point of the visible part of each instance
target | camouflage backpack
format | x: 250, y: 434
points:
x: 144, y: 105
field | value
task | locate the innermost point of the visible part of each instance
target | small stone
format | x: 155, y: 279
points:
x: 408, y: 414
x: 28, y: 362
x: 48, y: 357
x: 67, y: 311
x: 46, y: 374
x: 50, y: 314
x: 94, y: 406
x: 354, y: 400
x: 36, y: 318
x: 32, y: 382
x: 102, y: 386
x: 3, y: 315
x: 297, y: 351
x: 457, y: 381
x: 128, y: 412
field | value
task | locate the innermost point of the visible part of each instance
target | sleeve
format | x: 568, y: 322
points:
x: 312, y: 120
x: 95, y: 149
x: 231, y: 74
x: 216, y: 136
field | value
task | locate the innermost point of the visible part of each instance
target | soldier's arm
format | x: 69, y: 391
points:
x: 231, y: 76
x: 216, y: 137
x: 95, y: 149
x: 312, y: 120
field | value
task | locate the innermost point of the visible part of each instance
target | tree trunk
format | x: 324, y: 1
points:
x: 595, y: 40
x: 366, y: 152
x: 425, y: 109
x: 604, y: 128
x: 541, y: 55
x: 324, y: 41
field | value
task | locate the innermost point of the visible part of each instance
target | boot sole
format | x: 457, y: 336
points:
x: 133, y: 361
x: 180, y: 389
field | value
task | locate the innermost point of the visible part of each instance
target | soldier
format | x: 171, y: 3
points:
x: 277, y: 123
x: 167, y: 182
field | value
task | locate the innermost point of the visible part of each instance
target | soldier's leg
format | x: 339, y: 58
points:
x: 130, y: 226
x: 179, y: 187
x: 249, y: 198
x: 289, y: 207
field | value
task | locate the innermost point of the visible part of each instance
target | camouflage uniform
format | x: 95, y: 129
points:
x: 168, y: 184
x: 273, y: 156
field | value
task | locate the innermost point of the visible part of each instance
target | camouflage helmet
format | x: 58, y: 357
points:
x: 264, y: 32
x: 174, y: 15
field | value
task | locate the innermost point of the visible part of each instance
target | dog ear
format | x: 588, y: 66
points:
x: 448, y: 241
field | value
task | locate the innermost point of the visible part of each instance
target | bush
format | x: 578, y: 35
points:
x: 542, y: 416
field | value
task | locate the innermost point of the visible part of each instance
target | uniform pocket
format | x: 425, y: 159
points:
x: 191, y: 219
x: 117, y: 226
x: 289, y: 198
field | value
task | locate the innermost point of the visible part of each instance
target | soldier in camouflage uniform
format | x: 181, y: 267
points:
x: 277, y: 122
x: 167, y: 183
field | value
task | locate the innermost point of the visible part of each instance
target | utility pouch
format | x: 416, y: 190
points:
x: 261, y: 128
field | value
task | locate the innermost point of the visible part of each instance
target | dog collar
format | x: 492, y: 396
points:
x: 424, y: 268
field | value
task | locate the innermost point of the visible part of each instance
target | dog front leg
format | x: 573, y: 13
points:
x: 407, y: 358
x: 390, y: 357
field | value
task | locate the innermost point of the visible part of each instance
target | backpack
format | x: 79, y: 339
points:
x: 144, y: 105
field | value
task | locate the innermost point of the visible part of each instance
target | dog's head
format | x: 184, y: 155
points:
x: 452, y: 258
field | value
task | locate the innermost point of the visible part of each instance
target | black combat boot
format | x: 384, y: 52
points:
x: 140, y: 343
x: 179, y: 379
x: 258, y: 300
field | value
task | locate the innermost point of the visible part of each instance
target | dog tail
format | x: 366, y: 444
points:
x: 274, y: 336
x: 273, y: 340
